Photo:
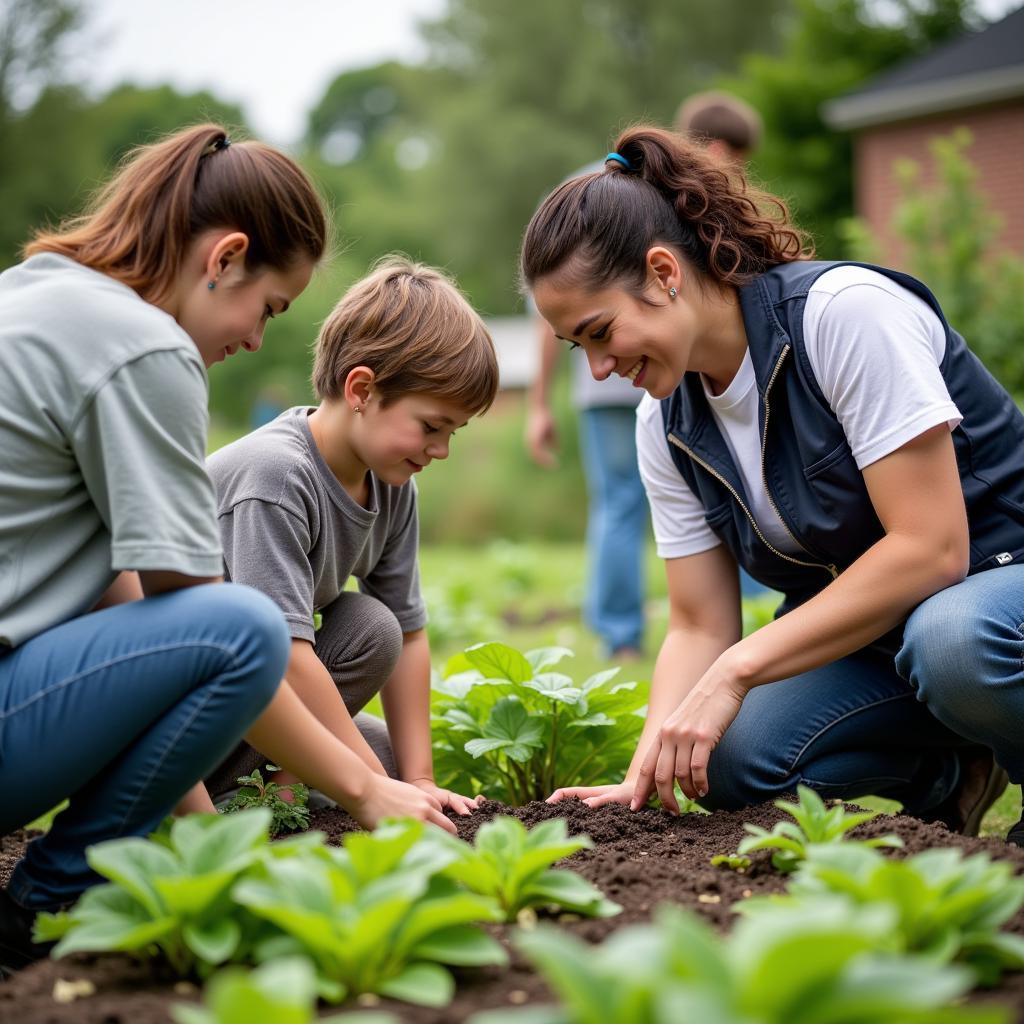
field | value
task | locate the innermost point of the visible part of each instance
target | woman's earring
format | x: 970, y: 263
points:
x: 211, y: 285
x: 672, y: 293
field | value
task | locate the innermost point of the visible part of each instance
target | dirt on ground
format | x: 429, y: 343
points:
x: 639, y: 860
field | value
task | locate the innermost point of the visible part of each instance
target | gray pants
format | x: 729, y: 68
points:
x: 359, y: 643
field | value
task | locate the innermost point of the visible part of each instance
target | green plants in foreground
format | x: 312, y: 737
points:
x: 376, y: 915
x: 283, y: 992
x: 284, y: 816
x: 172, y: 893
x: 948, y: 907
x: 506, y: 725
x: 823, y: 964
x: 513, y: 866
x: 813, y: 823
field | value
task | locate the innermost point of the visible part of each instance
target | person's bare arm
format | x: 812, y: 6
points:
x: 406, y: 700
x: 917, y: 495
x: 704, y: 619
x: 312, y: 682
x: 541, y: 433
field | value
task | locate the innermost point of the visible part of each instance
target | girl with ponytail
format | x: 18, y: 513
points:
x: 821, y: 425
x: 123, y: 678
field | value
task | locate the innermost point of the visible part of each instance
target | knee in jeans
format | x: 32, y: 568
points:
x: 260, y: 628
x: 940, y: 647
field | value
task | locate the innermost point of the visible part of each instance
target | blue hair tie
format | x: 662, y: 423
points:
x: 619, y: 159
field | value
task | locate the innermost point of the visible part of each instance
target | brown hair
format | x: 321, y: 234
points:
x: 138, y: 226
x: 412, y: 326
x: 599, y: 227
x: 717, y: 115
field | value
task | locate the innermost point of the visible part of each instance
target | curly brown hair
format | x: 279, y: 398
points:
x: 598, y: 227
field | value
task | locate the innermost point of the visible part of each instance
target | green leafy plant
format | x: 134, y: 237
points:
x: 813, y: 823
x: 513, y: 866
x: 376, y: 915
x: 507, y: 725
x: 733, y: 861
x: 172, y: 894
x: 948, y: 907
x: 285, y: 816
x: 824, y: 964
x: 283, y: 992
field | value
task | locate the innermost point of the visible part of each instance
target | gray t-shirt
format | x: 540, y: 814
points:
x: 291, y: 530
x: 103, y: 422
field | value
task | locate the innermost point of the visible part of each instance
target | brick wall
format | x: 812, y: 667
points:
x: 997, y: 153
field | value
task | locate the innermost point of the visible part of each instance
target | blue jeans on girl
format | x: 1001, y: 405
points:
x: 122, y: 711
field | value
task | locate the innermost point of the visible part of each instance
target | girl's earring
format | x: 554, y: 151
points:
x: 211, y: 285
x: 672, y: 293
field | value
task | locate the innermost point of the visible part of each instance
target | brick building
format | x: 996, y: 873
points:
x: 976, y: 81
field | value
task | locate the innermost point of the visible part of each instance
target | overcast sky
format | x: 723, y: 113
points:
x: 273, y: 57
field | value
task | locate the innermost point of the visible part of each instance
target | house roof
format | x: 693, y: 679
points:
x: 974, y: 69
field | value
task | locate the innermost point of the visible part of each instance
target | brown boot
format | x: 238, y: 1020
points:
x: 981, y: 784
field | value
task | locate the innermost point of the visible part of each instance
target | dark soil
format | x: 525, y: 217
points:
x: 639, y: 860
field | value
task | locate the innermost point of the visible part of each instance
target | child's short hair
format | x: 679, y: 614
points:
x: 411, y: 325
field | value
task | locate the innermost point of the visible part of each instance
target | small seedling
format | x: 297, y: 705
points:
x: 814, y: 823
x: 733, y: 861
x: 285, y: 816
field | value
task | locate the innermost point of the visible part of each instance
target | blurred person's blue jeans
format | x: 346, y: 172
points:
x: 122, y: 711
x: 869, y: 724
x: 616, y: 526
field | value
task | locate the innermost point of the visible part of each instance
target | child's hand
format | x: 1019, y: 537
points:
x: 388, y: 798
x: 458, y: 803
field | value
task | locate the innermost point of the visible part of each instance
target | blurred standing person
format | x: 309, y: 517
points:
x: 616, y: 504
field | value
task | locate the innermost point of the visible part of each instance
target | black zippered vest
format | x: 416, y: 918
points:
x: 809, y: 471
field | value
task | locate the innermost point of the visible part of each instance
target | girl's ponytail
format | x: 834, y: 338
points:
x: 659, y: 188
x: 138, y: 227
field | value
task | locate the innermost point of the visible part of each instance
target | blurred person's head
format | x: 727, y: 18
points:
x: 221, y: 235
x: 406, y: 360
x: 635, y: 261
x: 729, y: 127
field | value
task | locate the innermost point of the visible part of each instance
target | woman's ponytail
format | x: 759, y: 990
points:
x: 138, y: 227
x: 659, y: 188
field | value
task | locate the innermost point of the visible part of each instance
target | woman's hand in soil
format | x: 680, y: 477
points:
x: 595, y: 796
x: 686, y: 738
x: 388, y: 798
x: 456, y: 801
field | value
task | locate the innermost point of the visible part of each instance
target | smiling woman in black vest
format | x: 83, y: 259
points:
x: 822, y: 426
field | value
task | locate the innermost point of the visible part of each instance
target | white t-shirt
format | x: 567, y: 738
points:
x: 874, y: 348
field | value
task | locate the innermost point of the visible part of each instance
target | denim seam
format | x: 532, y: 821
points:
x: 114, y: 661
x: 856, y: 711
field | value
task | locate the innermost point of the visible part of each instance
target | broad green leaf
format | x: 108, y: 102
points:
x: 423, y: 984
x: 543, y: 658
x: 461, y: 946
x: 556, y: 686
x: 214, y: 941
x: 133, y: 864
x: 190, y: 895
x: 457, y: 664
x: 499, y: 661
x: 214, y: 843
x: 600, y: 678
x: 110, y: 920
x: 571, y: 892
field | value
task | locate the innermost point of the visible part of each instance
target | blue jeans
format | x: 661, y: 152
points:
x: 867, y: 724
x: 122, y: 711
x: 616, y: 526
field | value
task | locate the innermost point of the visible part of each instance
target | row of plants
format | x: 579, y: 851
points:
x: 385, y: 914
x: 506, y: 724
x: 858, y: 938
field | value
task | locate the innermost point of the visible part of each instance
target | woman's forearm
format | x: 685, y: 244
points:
x: 685, y: 655
x: 871, y: 597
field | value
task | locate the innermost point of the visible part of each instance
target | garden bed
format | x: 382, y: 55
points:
x: 639, y: 860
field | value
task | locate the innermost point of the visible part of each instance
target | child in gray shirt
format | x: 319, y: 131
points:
x: 327, y: 493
